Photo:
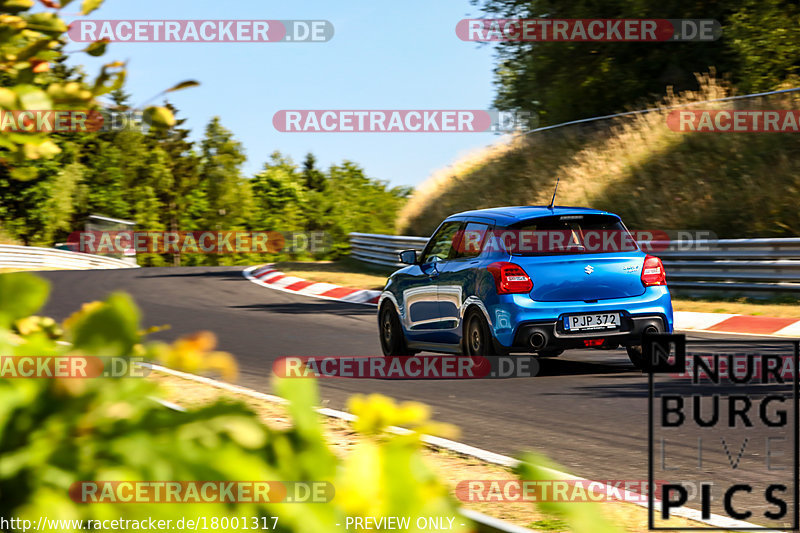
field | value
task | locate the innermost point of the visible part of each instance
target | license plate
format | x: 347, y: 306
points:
x: 595, y: 321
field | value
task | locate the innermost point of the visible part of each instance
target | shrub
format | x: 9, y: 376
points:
x: 56, y: 432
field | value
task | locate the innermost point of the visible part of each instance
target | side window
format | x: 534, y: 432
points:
x: 441, y: 244
x: 471, y: 240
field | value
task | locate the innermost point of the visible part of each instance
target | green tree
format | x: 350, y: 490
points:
x: 319, y: 208
x: 220, y: 170
x: 562, y: 81
x: 280, y: 195
x: 50, y: 181
x: 360, y: 203
x: 184, y: 168
x: 23, y: 207
x: 339, y: 201
x: 314, y: 179
x: 764, y: 38
x: 31, y: 46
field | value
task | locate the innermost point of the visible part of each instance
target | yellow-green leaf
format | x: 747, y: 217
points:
x: 34, y: 98
x: 109, y: 329
x: 21, y: 295
x: 159, y: 116
x: 47, y: 22
x: 183, y: 85
x: 33, y: 49
x: 15, y: 6
x: 45, y: 149
x: 109, y: 71
x: 24, y: 173
x: 90, y: 5
x: 8, y: 98
x: 97, y: 48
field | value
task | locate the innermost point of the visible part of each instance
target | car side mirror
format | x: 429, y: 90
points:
x: 408, y: 257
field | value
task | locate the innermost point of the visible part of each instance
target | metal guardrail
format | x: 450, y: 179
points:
x: 383, y: 249
x: 33, y: 258
x: 654, y: 109
x: 736, y: 266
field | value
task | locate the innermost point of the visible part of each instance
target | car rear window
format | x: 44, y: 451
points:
x: 568, y: 234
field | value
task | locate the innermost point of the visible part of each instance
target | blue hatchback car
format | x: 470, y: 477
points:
x: 525, y: 279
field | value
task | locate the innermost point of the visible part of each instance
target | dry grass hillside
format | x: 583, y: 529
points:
x: 735, y: 184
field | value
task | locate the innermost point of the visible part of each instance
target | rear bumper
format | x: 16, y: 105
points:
x: 516, y: 317
x: 553, y: 337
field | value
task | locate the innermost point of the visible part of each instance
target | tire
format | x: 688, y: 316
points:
x: 636, y: 355
x: 550, y: 353
x: 393, y: 341
x: 476, y: 339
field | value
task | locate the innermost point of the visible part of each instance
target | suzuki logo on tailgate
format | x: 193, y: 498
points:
x: 589, y: 269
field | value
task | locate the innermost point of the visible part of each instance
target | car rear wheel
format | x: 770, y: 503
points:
x: 636, y: 355
x: 477, y: 339
x: 393, y: 342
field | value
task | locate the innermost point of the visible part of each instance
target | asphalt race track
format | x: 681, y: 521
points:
x: 587, y: 410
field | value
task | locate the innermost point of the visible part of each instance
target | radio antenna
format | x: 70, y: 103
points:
x: 553, y: 201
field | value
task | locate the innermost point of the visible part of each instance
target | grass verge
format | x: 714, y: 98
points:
x: 346, y: 272
x: 448, y: 465
x: 741, y: 306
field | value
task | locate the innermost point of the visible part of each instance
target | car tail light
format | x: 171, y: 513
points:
x: 510, y: 278
x: 593, y: 342
x: 653, y: 272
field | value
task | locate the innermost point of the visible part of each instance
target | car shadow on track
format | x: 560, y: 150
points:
x: 549, y: 368
x: 640, y: 389
x: 627, y: 389
x: 317, y: 307
x: 206, y: 272
x: 564, y: 367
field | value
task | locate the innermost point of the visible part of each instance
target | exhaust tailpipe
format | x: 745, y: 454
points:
x: 650, y: 329
x: 537, y: 340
